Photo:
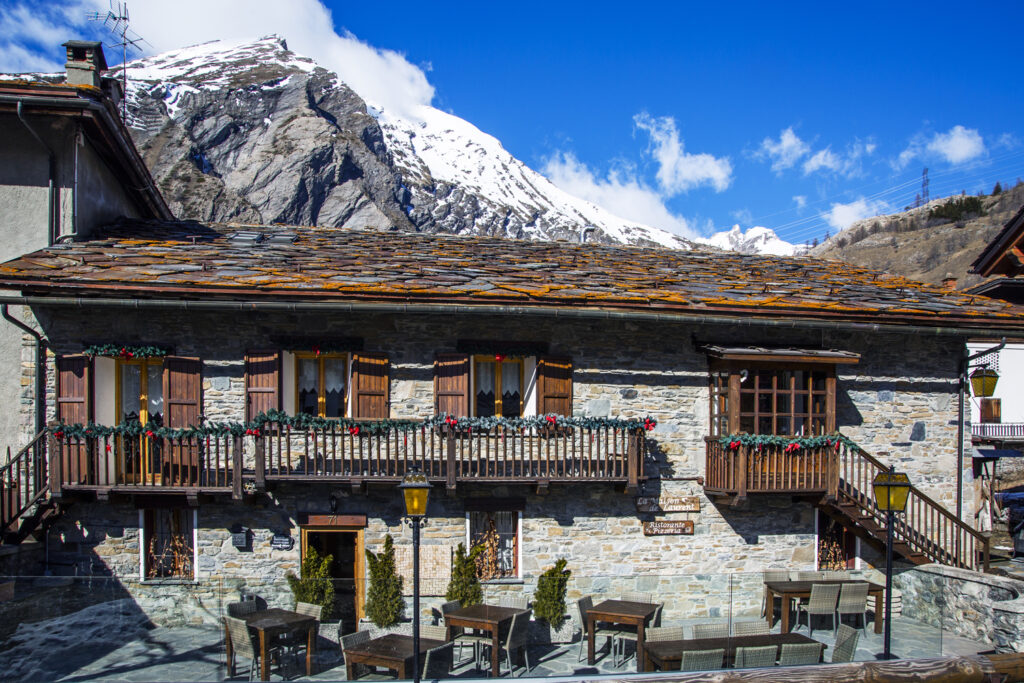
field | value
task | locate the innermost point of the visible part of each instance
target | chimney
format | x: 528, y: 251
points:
x: 85, y: 62
x: 949, y: 282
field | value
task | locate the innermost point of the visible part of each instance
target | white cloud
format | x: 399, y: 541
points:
x: 785, y: 152
x: 742, y: 216
x: 801, y: 201
x: 620, y: 192
x: 956, y: 146
x: 841, y: 216
x: 33, y: 33
x: 679, y: 171
x: 823, y: 159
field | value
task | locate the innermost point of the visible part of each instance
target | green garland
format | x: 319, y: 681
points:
x: 303, y: 422
x: 786, y: 443
x: 125, y: 351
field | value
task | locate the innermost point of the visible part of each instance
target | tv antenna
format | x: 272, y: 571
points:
x: 116, y: 21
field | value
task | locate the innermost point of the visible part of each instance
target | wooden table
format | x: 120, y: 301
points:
x: 392, y: 651
x: 802, y: 589
x: 668, y: 654
x: 620, y: 612
x: 488, y: 618
x: 269, y: 623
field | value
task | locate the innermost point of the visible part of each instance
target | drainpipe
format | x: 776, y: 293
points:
x: 52, y: 224
x: 965, y: 362
x: 40, y: 366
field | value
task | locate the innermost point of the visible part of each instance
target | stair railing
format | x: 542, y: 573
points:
x: 926, y: 527
x: 23, y: 481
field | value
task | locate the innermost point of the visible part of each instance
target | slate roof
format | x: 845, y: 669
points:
x: 192, y: 260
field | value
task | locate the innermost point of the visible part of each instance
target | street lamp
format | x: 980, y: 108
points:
x: 891, y: 491
x: 415, y: 491
x: 983, y: 382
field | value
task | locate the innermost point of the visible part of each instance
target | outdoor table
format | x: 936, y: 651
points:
x: 802, y: 589
x: 392, y: 651
x: 620, y: 612
x: 667, y: 654
x: 488, y: 618
x: 269, y: 623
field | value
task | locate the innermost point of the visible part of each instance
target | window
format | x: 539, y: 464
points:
x: 772, y: 399
x: 168, y: 543
x: 320, y: 384
x: 498, y: 531
x: 140, y: 391
x: 498, y: 386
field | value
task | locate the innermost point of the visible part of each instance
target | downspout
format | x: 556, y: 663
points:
x: 40, y: 367
x: 52, y: 224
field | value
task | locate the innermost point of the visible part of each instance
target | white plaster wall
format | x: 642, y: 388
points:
x: 1010, y: 387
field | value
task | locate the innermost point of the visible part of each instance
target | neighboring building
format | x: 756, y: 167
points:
x: 191, y: 336
x: 67, y: 166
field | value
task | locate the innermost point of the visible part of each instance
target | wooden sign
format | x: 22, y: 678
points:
x: 669, y: 504
x: 675, y: 528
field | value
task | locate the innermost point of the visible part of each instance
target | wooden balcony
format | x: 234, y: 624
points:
x: 746, y: 470
x: 278, y: 453
x: 998, y: 431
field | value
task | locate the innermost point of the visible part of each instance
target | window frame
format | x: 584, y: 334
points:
x: 144, y: 543
x: 321, y: 398
x: 144, y: 363
x: 725, y: 399
x: 517, y: 574
x: 492, y: 358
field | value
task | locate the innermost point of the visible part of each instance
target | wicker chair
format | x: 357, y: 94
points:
x: 822, y: 603
x: 514, y: 601
x: 240, y: 609
x: 750, y: 628
x: 516, y: 639
x: 837, y: 575
x: 629, y: 633
x: 241, y: 643
x: 702, y: 660
x: 810, y: 576
x: 798, y: 655
x: 434, y: 632
x: 853, y: 599
x: 446, y: 607
x: 439, y: 660
x: 659, y: 633
x: 295, y: 642
x: 601, y: 629
x: 773, y: 575
x: 753, y: 657
x: 634, y: 596
x: 846, y: 644
x: 717, y: 630
x: 361, y: 671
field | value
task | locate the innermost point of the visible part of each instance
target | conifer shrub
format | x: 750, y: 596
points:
x: 384, y: 601
x: 464, y: 585
x: 315, y: 586
x: 549, y: 600
x: 957, y: 209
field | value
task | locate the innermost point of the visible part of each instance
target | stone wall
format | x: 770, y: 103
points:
x: 980, y: 607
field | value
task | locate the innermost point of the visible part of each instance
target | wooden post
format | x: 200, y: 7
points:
x: 986, y: 544
x: 261, y: 462
x: 451, y: 473
x: 632, y: 462
x: 56, y: 471
x: 741, y: 472
x: 236, y: 467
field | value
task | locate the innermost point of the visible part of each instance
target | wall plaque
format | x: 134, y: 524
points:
x: 674, y: 528
x: 668, y: 504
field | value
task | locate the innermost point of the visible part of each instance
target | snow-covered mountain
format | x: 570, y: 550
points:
x: 756, y: 240
x: 254, y: 132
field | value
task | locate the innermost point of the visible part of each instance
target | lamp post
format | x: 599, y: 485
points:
x: 415, y: 491
x: 891, y: 491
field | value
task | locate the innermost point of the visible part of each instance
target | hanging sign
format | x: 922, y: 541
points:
x: 282, y: 542
x: 668, y: 504
x: 674, y: 528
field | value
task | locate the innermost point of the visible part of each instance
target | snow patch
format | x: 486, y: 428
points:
x: 756, y: 240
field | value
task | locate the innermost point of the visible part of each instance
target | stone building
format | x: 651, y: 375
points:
x: 225, y: 397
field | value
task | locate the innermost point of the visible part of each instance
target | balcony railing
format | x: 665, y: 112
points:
x: 283, y: 453
x: 998, y: 430
x: 769, y: 469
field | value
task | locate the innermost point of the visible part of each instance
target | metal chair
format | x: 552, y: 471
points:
x: 753, y: 657
x: 439, y: 660
x: 434, y: 632
x: 718, y: 630
x: 241, y: 643
x: 702, y: 660
x: 824, y: 597
x: 773, y: 575
x: 798, y: 655
x: 514, y: 601
x: 601, y: 629
x: 846, y: 644
x: 750, y: 628
x: 635, y: 596
x: 516, y: 640
x: 853, y: 599
x: 660, y: 633
x: 629, y: 633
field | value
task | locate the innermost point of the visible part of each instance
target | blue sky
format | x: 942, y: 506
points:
x: 799, y: 118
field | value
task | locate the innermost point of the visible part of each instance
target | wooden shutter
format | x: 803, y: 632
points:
x: 554, y: 386
x: 451, y: 384
x: 262, y: 382
x: 74, y: 406
x: 991, y: 410
x: 183, y: 390
x: 370, y: 385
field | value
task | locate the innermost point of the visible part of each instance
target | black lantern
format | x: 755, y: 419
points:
x: 415, y: 492
x: 892, y: 489
x: 983, y: 382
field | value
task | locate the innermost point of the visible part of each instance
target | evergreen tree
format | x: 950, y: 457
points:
x: 384, y: 602
x: 997, y: 189
x: 549, y: 600
x: 315, y: 586
x: 465, y: 585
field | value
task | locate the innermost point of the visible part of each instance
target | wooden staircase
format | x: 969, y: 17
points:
x: 926, y: 532
x: 25, y: 505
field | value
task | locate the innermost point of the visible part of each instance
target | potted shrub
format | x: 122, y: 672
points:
x: 315, y: 585
x: 464, y: 585
x: 384, y: 601
x: 549, y: 602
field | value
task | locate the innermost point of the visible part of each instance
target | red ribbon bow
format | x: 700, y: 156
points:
x: 551, y: 419
x: 353, y: 430
x: 649, y: 424
x: 733, y: 445
x: 149, y: 433
x: 59, y: 435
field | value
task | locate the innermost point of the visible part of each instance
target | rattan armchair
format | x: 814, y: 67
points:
x: 846, y: 644
x: 822, y: 603
x: 754, y: 657
x: 716, y: 630
x: 853, y: 599
x: 601, y: 629
x: 702, y: 660
x: 800, y: 654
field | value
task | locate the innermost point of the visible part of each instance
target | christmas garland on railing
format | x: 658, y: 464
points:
x: 125, y: 351
x: 789, y: 444
x: 303, y: 422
